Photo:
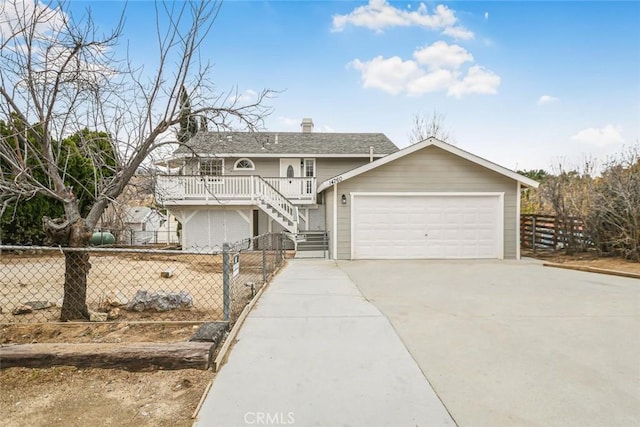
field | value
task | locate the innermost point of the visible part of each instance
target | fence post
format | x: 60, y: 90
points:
x: 533, y: 233
x: 264, y: 263
x: 226, y: 285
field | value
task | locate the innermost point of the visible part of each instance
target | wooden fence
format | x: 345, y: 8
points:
x: 548, y: 232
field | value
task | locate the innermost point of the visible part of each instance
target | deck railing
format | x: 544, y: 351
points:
x: 227, y: 188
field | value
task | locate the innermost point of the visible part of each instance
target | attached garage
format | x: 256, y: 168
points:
x: 430, y: 200
x: 427, y: 225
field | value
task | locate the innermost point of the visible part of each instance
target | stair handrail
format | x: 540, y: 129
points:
x: 277, y: 201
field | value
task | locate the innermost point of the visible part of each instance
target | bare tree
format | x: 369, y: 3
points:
x: 426, y: 126
x: 61, y: 74
x: 615, y: 215
x: 571, y: 195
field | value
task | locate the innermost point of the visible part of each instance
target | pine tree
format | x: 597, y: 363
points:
x: 188, y: 123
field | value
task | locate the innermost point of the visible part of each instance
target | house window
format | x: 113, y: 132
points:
x: 244, y: 164
x: 309, y: 168
x: 290, y: 172
x: 211, y: 167
x: 309, y: 172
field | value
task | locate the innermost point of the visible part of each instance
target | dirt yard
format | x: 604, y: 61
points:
x: 25, y: 278
x: 68, y: 396
x: 588, y: 259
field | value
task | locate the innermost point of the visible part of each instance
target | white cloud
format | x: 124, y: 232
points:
x: 442, y: 55
x: 459, y: 32
x: 389, y: 75
x: 434, y: 81
x: 486, y: 16
x: 20, y: 14
x: 547, y: 99
x: 600, y: 137
x: 478, y: 80
x: 379, y: 14
x: 436, y: 68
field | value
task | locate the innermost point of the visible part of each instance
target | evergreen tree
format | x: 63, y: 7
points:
x: 188, y: 123
x: 21, y: 221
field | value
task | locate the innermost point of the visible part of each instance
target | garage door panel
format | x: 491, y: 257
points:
x: 426, y: 226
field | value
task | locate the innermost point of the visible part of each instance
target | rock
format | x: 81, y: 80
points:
x: 39, y: 305
x: 210, y: 332
x: 115, y: 299
x: 159, y: 301
x: 167, y: 273
x: 96, y: 316
x: 21, y: 309
x: 113, y: 314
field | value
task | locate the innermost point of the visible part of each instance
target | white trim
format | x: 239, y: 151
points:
x: 252, y: 168
x: 335, y: 222
x: 498, y: 195
x: 352, y: 228
x: 528, y: 182
x: 501, y: 225
x: 518, y: 208
x: 271, y: 155
x: 427, y: 193
x: 304, y: 217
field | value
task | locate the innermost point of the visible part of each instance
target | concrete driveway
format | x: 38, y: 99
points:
x: 507, y: 343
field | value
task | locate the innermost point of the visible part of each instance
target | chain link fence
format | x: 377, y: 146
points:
x: 135, y: 284
x: 248, y: 265
x: 141, y: 238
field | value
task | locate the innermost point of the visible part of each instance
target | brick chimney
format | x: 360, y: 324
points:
x: 306, y: 125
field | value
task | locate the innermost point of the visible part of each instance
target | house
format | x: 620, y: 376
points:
x: 231, y: 186
x: 428, y: 200
x: 141, y: 225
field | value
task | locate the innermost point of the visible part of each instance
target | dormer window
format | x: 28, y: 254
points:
x: 244, y: 165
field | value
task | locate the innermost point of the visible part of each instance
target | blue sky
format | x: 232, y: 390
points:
x: 524, y: 84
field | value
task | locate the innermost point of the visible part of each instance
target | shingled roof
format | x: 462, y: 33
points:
x: 285, y: 143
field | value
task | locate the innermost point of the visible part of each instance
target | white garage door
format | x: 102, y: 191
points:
x: 427, y: 226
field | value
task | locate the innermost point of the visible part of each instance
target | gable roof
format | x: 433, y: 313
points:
x: 528, y: 182
x: 268, y: 144
x: 138, y: 214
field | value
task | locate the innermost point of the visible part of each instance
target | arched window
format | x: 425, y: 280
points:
x: 290, y: 172
x: 244, y: 164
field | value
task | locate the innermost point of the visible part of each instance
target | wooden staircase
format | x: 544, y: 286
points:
x: 277, y: 206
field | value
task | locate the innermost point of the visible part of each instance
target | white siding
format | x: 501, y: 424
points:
x: 210, y: 228
x: 429, y: 170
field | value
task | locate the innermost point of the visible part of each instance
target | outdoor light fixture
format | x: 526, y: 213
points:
x: 344, y: 199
